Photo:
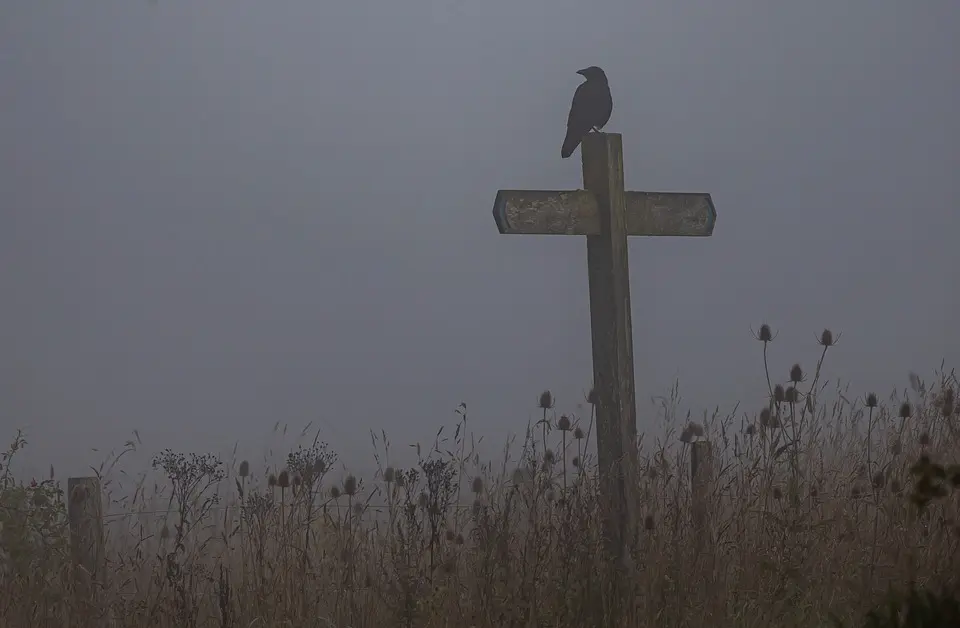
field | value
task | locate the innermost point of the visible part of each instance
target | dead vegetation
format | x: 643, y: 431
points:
x: 810, y: 518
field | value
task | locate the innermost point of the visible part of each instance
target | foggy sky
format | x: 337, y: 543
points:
x: 219, y: 215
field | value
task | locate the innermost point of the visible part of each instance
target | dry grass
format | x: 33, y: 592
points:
x: 809, y: 515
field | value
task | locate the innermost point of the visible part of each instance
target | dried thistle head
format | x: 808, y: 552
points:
x: 283, y: 480
x: 477, y: 485
x: 791, y: 395
x: 335, y: 492
x: 686, y: 435
x: 871, y: 400
x: 765, y: 417
x: 358, y: 508
x: 696, y: 429
x: 593, y: 397
x: 578, y: 433
x: 576, y: 461
x: 796, y: 374
x: 751, y: 430
x: 297, y: 481
x: 765, y: 335
x: 905, y: 410
x: 826, y: 338
x: 271, y: 480
x: 389, y: 474
x: 778, y: 393
x: 244, y: 469
x: 477, y: 508
x: 546, y: 400
x: 563, y: 423
x: 350, y: 485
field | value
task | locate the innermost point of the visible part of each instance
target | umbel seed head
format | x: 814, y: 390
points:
x: 546, y: 400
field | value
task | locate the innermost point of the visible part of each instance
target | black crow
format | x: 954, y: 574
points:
x: 591, y: 108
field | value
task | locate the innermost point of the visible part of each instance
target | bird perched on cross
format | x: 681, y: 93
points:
x: 590, y: 110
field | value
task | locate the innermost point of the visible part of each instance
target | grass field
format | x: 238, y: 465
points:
x: 810, y: 517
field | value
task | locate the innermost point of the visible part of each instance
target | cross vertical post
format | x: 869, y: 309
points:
x: 612, y: 336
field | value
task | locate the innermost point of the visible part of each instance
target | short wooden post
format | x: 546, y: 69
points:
x: 701, y: 485
x: 85, y: 514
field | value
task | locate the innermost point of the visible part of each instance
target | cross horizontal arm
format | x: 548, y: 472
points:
x: 575, y: 212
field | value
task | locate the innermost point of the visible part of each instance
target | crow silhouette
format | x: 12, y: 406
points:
x: 590, y: 110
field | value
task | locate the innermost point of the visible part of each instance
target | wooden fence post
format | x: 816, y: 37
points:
x: 701, y: 485
x: 85, y: 514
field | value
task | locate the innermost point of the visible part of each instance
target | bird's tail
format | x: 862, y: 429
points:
x: 570, y: 143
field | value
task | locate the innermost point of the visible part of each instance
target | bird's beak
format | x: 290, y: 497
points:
x: 582, y: 72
